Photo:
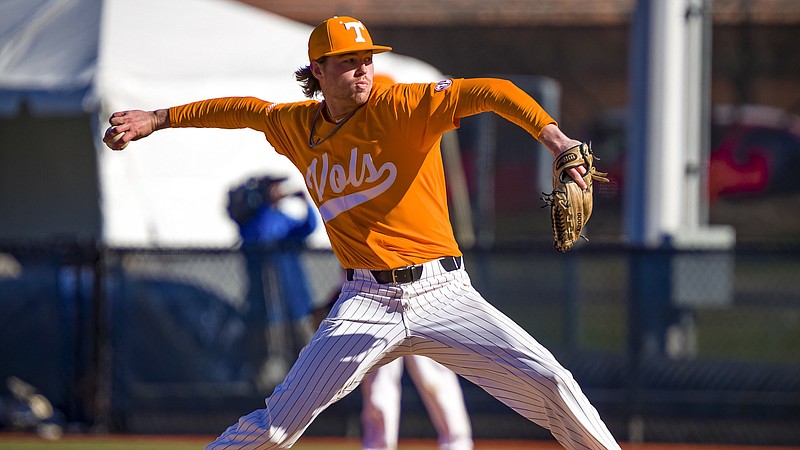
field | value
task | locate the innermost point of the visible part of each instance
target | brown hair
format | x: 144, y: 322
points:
x: 308, y: 81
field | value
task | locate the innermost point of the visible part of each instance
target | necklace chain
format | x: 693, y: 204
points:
x: 315, y: 142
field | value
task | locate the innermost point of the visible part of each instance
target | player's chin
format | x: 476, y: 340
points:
x: 361, y: 97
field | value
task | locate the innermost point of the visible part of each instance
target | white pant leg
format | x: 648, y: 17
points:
x: 362, y: 329
x: 450, y: 322
x: 440, y: 392
x: 380, y: 412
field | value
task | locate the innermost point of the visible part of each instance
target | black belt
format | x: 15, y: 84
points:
x: 408, y: 274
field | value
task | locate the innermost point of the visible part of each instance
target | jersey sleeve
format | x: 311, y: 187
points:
x: 425, y: 111
x: 228, y: 113
x: 504, y: 98
x: 281, y: 123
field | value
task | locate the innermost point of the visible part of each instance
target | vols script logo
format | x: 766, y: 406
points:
x: 321, y: 176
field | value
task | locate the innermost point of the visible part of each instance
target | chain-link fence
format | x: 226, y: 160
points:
x: 669, y: 345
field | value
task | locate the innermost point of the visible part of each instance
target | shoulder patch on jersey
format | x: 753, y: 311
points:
x: 442, y: 85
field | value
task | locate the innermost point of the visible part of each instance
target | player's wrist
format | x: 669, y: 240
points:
x: 555, y: 140
x: 160, y: 119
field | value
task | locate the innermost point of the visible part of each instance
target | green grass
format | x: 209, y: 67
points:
x: 18, y: 442
x: 110, y: 443
x: 135, y: 442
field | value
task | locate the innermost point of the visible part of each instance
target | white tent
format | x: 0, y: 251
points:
x: 171, y: 189
x: 46, y: 46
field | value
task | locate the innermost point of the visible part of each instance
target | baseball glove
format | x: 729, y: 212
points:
x: 570, y: 206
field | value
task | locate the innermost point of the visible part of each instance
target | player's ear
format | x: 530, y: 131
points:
x: 316, y: 69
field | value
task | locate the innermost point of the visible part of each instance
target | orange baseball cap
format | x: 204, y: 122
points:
x: 339, y: 35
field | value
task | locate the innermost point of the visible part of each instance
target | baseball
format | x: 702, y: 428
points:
x: 116, y: 139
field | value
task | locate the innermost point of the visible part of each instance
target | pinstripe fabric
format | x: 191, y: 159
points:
x: 440, y: 316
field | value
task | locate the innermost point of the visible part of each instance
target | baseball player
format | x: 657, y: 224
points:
x: 372, y: 164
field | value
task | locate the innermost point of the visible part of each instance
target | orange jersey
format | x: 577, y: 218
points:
x: 378, y: 180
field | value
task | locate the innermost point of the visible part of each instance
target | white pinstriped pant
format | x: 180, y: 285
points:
x: 440, y: 316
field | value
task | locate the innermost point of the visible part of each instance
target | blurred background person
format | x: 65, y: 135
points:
x: 274, y: 220
x: 439, y: 390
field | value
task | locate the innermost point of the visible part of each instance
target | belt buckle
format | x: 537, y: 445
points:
x: 403, y: 270
x: 403, y: 274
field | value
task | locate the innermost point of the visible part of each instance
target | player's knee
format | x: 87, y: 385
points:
x: 562, y: 383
